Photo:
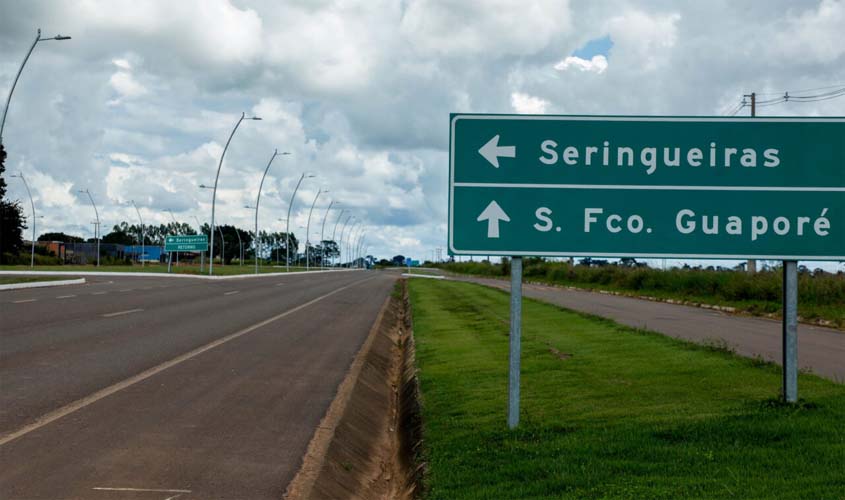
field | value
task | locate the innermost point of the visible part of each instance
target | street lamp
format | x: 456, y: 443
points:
x: 322, y: 242
x: 202, y: 254
x: 287, y: 228
x: 335, y: 229
x: 287, y: 235
x: 214, y: 194
x: 143, y: 251
x: 308, y: 229
x: 32, y: 204
x: 340, y: 245
x: 15, y: 82
x: 258, y: 202
x: 96, y: 224
x: 175, y: 229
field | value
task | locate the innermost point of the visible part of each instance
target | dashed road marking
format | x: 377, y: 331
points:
x: 102, y: 393
x: 121, y: 313
x: 99, y: 293
x: 232, y: 292
x: 65, y: 296
x: 23, y: 301
x: 279, y: 284
x: 125, y: 290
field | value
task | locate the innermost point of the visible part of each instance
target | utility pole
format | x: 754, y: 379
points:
x: 751, y: 266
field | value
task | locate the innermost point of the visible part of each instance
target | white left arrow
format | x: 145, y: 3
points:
x: 493, y: 214
x: 492, y: 151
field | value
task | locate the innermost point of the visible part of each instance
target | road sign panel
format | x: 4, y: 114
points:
x: 186, y: 243
x: 767, y: 188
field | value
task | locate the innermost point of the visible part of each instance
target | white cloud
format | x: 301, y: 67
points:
x: 124, y: 84
x: 641, y: 39
x: 489, y: 29
x: 816, y: 35
x: 528, y: 104
x: 597, y: 64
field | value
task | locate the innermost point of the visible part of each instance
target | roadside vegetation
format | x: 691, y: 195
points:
x: 608, y: 411
x: 821, y: 296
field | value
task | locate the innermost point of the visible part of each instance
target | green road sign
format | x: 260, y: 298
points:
x: 763, y: 188
x: 186, y: 243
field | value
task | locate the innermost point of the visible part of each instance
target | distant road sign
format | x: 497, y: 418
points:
x: 186, y: 243
x: 764, y: 188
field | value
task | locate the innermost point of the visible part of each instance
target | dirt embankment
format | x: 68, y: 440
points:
x: 366, y: 445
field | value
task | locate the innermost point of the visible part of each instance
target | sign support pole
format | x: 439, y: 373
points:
x: 515, y: 339
x: 169, y: 262
x: 790, y: 331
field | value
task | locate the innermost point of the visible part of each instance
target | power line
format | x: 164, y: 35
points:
x: 803, y: 90
x: 789, y: 96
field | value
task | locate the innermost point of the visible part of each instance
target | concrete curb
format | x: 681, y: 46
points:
x: 42, y: 284
x: 430, y: 276
x: 163, y: 275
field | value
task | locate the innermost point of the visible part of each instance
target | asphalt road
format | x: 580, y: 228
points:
x: 156, y: 388
x: 820, y: 350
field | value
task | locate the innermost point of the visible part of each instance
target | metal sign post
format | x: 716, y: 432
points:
x: 790, y: 331
x: 515, y: 342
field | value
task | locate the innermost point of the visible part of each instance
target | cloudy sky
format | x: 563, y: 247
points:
x: 138, y: 105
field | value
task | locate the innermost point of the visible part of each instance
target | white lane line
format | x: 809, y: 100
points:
x: 153, y: 490
x: 99, y: 293
x: 65, y: 296
x: 23, y: 301
x: 121, y: 313
x: 232, y: 292
x: 125, y: 290
x: 279, y: 284
x: 108, y: 391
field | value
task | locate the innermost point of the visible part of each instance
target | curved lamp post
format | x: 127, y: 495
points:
x: 340, y: 245
x: 308, y: 229
x: 32, y: 204
x: 287, y: 227
x: 334, y: 231
x: 214, y: 194
x: 258, y: 202
x: 143, y: 251
x: 96, y: 224
x: 349, y: 237
x: 176, y: 229
x: 322, y: 242
x: 202, y: 254
x: 18, y: 75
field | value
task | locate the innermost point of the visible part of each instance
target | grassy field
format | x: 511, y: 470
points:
x: 8, y: 280
x: 820, y: 297
x: 159, y: 268
x: 609, y: 412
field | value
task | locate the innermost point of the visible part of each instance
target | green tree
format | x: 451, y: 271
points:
x: 11, y: 217
x: 64, y: 238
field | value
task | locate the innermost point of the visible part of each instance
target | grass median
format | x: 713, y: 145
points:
x: 13, y: 280
x: 608, y: 411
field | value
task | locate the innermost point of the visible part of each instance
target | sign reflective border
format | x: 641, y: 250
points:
x: 680, y: 187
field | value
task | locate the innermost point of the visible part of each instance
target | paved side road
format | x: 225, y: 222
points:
x: 821, y: 350
x: 153, y: 389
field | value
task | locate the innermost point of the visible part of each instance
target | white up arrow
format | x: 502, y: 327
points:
x: 492, y: 151
x: 493, y: 214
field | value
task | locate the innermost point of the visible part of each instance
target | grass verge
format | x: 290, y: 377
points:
x: 8, y: 280
x: 608, y: 411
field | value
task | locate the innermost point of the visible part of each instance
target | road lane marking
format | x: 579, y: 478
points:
x: 146, y: 490
x: 232, y: 292
x: 121, y: 313
x: 108, y: 391
x: 23, y: 301
x: 125, y: 290
x: 65, y: 296
x: 99, y: 293
x: 279, y: 284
